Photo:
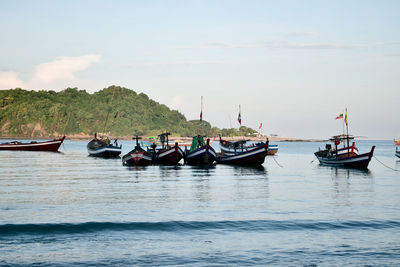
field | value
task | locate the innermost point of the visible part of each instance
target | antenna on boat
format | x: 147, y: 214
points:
x: 240, y: 118
x: 108, y: 113
x: 201, y: 117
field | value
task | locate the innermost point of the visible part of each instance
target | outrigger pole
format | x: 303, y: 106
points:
x: 108, y: 113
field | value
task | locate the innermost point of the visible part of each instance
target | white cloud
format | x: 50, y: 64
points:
x: 59, y: 73
x: 63, y: 68
x: 9, y: 80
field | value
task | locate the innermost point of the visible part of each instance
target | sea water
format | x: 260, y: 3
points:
x: 71, y: 209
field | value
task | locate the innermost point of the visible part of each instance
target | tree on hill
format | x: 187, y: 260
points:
x: 114, y: 110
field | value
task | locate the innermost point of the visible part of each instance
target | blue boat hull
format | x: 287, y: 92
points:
x: 201, y: 156
x: 98, y: 148
x: 353, y: 161
x: 253, y: 157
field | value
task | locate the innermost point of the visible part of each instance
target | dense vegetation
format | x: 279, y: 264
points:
x: 73, y: 111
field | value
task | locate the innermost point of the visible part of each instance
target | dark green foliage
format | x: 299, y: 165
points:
x: 73, y: 111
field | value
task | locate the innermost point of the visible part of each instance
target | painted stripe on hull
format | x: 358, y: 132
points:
x: 169, y: 157
x: 397, y: 154
x: 201, y: 151
x: 271, y: 148
x: 231, y: 153
x: 243, y: 155
x: 360, y: 161
x: 136, y: 159
x: 172, y: 150
x: 201, y: 156
x: 138, y: 155
x: 106, y: 151
x: 255, y: 157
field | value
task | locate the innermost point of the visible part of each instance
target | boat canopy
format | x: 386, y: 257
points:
x: 197, y: 141
x: 341, y: 137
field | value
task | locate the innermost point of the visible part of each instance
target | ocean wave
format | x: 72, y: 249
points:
x: 175, y: 226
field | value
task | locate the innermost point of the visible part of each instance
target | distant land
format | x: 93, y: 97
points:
x: 115, y: 111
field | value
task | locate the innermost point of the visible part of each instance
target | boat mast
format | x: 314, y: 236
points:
x: 108, y: 113
x: 201, y: 117
x: 343, y: 127
x: 240, y: 118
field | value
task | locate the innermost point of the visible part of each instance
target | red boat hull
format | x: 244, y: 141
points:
x: 170, y: 156
x: 52, y: 145
x: 137, y: 157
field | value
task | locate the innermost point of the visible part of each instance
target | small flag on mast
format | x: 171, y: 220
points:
x: 345, y: 118
x: 259, y: 128
x: 340, y: 116
x: 201, y: 110
x: 240, y: 117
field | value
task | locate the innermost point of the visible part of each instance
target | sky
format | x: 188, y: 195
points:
x: 292, y: 65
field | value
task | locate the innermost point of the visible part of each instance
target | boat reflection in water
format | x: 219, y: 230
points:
x: 258, y: 170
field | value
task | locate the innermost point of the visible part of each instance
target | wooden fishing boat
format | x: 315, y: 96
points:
x: 347, y: 156
x: 254, y: 156
x: 138, y: 156
x: 200, y: 153
x: 167, y: 155
x: 103, y: 148
x: 52, y: 145
x: 243, y: 145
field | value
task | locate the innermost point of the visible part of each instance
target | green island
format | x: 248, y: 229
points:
x: 115, y: 111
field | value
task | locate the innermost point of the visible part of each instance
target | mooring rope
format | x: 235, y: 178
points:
x: 386, y: 165
x: 313, y: 160
x: 277, y: 162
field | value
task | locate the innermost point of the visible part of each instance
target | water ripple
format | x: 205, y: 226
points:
x: 179, y: 226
